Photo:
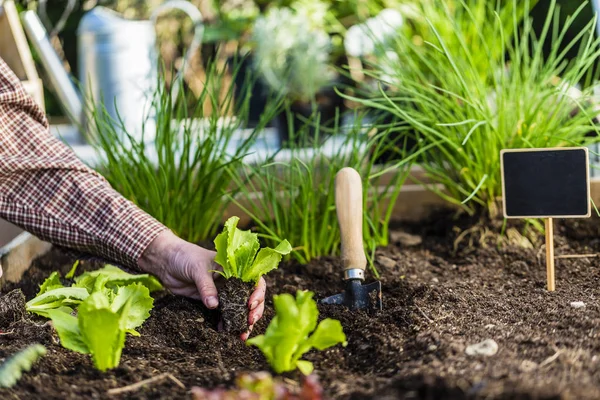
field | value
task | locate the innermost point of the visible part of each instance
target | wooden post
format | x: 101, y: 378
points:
x: 550, y: 253
x: 14, y: 50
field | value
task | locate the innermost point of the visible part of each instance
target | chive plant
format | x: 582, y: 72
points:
x: 293, y: 196
x: 482, y: 83
x: 183, y: 177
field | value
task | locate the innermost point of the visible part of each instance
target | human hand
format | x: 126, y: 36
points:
x: 185, y: 269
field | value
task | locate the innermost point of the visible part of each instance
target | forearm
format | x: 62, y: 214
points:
x: 46, y: 190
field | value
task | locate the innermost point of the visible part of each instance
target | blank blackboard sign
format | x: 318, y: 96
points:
x: 546, y: 183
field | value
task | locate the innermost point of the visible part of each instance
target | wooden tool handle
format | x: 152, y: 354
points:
x: 349, y: 206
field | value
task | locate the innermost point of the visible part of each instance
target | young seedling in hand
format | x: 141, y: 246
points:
x: 243, y: 266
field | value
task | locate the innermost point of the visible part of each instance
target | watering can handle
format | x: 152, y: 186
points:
x: 197, y: 19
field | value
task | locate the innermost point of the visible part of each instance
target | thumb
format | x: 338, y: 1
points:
x: 206, y: 286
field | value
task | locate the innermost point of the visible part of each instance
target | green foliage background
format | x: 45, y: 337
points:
x: 347, y: 12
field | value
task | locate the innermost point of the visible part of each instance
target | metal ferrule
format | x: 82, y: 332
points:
x: 354, y: 273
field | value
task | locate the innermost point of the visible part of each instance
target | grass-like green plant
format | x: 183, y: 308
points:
x: 483, y: 84
x: 181, y: 177
x: 294, y: 331
x: 238, y: 253
x: 12, y: 369
x: 109, y: 303
x: 293, y: 196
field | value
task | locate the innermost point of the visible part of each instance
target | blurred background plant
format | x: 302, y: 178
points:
x: 480, y: 81
x: 292, y: 54
x: 229, y: 24
x: 183, y: 177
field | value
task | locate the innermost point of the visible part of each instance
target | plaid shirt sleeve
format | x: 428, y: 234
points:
x: 46, y: 190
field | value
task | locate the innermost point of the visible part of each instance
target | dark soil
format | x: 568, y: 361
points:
x: 12, y: 307
x: 438, y: 299
x: 233, y: 303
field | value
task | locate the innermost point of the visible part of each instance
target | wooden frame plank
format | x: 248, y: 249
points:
x: 14, y: 50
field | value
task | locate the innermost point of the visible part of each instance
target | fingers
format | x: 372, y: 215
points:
x: 207, y: 289
x: 246, y: 335
x: 256, y: 303
x: 256, y: 314
x: 258, y: 296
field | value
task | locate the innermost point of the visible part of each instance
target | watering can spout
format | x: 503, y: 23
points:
x: 60, y: 79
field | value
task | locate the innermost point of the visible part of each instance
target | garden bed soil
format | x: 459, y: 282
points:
x: 436, y: 303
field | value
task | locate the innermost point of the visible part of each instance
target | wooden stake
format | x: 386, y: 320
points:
x: 550, y: 253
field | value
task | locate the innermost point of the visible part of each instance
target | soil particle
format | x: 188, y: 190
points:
x: 233, y: 303
x: 488, y: 347
x: 387, y: 262
x: 405, y: 239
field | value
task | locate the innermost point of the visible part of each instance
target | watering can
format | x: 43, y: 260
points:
x: 118, y: 67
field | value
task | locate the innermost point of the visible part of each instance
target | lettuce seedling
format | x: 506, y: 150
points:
x: 238, y: 253
x: 54, y: 295
x: 288, y: 337
x: 110, y: 303
x: 101, y: 323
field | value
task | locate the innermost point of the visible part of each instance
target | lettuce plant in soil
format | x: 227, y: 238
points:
x: 243, y: 266
x: 294, y: 331
x: 93, y: 315
x: 467, y: 93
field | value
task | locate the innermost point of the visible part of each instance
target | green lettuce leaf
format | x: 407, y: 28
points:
x: 329, y: 332
x: 140, y: 304
x: 51, y: 282
x: 306, y: 367
x: 236, y: 249
x: 67, y: 327
x: 267, y: 260
x: 110, y: 303
x: 288, y: 336
x: 101, y: 330
x: 114, y: 277
x: 56, y: 298
x: 238, y: 253
x: 71, y: 272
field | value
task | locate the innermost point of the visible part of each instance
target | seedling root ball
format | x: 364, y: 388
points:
x: 233, y: 302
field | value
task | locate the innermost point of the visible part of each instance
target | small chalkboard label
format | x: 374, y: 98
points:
x: 546, y: 183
